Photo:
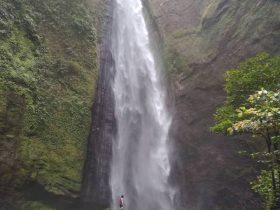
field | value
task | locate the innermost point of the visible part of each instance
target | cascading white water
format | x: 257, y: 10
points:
x: 140, y: 165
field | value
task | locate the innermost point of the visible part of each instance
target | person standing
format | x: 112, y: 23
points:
x: 121, y: 202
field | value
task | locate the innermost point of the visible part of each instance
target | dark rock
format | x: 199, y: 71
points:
x: 212, y: 37
x: 96, y: 192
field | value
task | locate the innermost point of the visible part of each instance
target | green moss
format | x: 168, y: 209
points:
x: 226, y: 26
x: 47, y: 82
x: 36, y: 206
x: 176, y: 63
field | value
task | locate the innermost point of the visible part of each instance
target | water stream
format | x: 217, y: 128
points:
x: 140, y: 163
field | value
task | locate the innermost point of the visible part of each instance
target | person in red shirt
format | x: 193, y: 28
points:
x: 121, y: 202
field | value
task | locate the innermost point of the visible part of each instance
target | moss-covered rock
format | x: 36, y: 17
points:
x: 48, y: 55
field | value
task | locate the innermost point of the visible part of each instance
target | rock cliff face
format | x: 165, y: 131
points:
x: 48, y: 70
x: 203, y: 39
x: 96, y: 192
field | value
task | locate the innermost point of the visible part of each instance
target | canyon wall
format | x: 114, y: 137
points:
x: 96, y: 190
x: 201, y: 40
x: 48, y: 60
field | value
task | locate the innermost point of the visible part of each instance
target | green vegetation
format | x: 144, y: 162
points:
x: 37, y: 206
x: 47, y: 81
x: 253, y: 107
x: 252, y: 75
x: 175, y: 62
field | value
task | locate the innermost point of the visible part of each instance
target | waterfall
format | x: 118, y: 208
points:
x: 140, y: 163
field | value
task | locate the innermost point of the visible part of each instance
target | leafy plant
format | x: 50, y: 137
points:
x: 257, y: 113
x: 252, y: 75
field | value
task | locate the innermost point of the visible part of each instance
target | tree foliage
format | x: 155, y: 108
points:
x: 261, y: 71
x: 253, y: 107
x: 261, y: 118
